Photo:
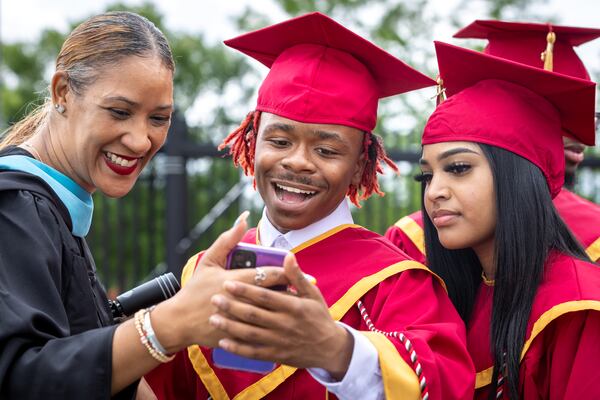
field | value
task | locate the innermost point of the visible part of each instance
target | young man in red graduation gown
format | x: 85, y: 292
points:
x: 516, y: 274
x: 309, y: 145
x: 524, y: 43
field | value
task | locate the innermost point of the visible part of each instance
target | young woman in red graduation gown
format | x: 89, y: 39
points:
x: 492, y: 162
x: 522, y: 42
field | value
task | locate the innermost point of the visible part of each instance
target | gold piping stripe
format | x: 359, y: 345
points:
x: 593, y: 250
x: 555, y: 312
x: 269, y: 382
x: 485, y: 377
x: 189, y: 268
x: 207, y: 375
x: 266, y: 384
x: 323, y: 236
x: 413, y: 231
x: 367, y: 283
x: 399, y: 380
x: 316, y: 239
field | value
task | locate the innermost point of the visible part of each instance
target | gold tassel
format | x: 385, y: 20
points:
x: 547, y: 56
x: 440, y: 94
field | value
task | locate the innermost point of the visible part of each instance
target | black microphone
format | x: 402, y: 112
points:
x: 145, y: 295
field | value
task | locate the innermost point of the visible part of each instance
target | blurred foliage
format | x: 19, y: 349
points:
x: 201, y: 67
x: 211, y: 71
x: 214, y: 86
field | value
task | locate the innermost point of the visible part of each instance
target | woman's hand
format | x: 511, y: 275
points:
x: 183, y: 320
x: 294, y: 330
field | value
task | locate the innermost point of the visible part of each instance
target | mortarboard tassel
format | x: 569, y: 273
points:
x: 440, y: 94
x: 547, y: 56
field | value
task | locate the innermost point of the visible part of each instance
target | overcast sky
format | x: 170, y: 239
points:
x: 24, y: 19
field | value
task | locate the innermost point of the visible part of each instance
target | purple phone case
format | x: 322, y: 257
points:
x: 265, y: 256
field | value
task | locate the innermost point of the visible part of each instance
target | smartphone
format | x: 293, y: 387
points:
x: 246, y: 255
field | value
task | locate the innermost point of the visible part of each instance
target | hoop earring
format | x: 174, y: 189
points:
x: 60, y: 108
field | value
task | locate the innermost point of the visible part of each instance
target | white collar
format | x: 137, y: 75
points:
x: 268, y: 233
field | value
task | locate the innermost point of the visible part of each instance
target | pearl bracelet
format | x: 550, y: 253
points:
x: 148, y: 338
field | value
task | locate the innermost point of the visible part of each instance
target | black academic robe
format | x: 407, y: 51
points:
x: 56, y: 329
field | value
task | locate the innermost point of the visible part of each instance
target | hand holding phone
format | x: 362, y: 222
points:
x: 246, y: 255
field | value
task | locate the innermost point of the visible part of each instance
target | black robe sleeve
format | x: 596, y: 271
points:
x: 54, y: 342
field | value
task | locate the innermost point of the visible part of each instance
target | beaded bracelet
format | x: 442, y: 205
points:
x: 147, y: 326
x: 142, y: 328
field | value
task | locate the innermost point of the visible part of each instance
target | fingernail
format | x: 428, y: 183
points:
x: 215, y: 321
x: 224, y: 344
x: 230, y: 286
x: 218, y: 300
x: 243, y: 216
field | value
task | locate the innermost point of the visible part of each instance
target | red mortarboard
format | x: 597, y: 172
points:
x: 511, y: 105
x: 324, y: 73
x: 524, y: 43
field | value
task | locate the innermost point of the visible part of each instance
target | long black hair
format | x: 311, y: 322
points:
x: 528, y: 228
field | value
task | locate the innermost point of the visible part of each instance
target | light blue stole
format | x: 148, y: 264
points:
x: 78, y: 202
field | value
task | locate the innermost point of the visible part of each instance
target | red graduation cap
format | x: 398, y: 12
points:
x: 511, y: 105
x: 525, y: 43
x: 324, y: 73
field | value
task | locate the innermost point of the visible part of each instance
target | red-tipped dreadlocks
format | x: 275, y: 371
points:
x: 374, y: 154
x: 242, y: 144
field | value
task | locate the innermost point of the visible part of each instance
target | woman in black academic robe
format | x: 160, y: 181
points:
x: 109, y: 112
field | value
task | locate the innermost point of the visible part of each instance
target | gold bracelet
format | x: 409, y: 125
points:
x: 156, y: 354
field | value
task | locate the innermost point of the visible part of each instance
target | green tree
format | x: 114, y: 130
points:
x: 201, y: 68
x: 124, y: 242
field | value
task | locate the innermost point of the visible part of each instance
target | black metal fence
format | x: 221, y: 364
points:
x: 189, y: 194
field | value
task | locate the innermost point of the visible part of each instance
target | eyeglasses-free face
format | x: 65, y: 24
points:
x: 303, y: 171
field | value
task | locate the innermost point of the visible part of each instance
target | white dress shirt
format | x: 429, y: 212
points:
x: 363, y: 378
